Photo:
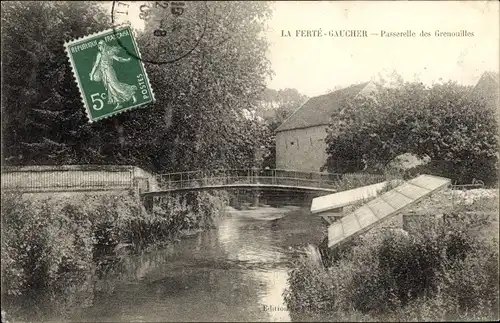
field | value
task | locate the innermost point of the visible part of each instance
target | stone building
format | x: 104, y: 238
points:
x: 300, y: 140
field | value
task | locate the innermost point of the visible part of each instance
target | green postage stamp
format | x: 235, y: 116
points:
x: 109, y: 78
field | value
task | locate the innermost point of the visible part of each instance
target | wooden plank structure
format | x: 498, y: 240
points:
x: 383, y: 208
x: 330, y: 207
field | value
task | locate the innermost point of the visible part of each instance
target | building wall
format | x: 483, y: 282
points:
x: 301, y: 149
x: 152, y: 183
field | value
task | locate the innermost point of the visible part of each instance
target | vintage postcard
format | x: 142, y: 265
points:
x: 243, y: 161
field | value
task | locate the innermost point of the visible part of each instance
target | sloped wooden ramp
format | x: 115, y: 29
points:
x: 331, y: 206
x: 383, y: 208
x: 337, y: 200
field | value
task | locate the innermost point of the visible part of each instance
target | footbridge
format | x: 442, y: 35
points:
x: 262, y: 179
x: 102, y: 178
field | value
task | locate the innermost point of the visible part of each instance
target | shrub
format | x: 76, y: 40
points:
x: 44, y: 253
x: 313, y: 288
x: 51, y: 246
x: 174, y: 215
x: 444, y: 271
x: 40, y: 246
x: 355, y: 180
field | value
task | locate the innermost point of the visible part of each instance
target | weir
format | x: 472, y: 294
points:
x: 383, y: 208
x: 330, y: 207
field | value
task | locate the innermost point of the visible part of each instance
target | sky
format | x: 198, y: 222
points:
x: 315, y: 65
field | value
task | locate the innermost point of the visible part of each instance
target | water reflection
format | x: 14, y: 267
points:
x: 235, y: 273
x: 241, y: 240
x: 271, y: 299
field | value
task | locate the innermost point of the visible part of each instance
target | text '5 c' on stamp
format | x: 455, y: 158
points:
x: 110, y: 80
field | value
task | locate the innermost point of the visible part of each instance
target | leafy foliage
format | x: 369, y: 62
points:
x: 50, y: 246
x: 197, y: 122
x: 456, y: 130
x: 445, y: 270
x: 43, y: 250
x: 206, y: 95
x: 40, y: 94
x: 277, y: 105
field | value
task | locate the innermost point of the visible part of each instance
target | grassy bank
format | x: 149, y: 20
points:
x: 53, y: 246
x: 446, y: 268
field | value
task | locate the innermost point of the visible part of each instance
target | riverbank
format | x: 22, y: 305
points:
x: 446, y: 268
x: 236, y: 272
x: 53, y: 245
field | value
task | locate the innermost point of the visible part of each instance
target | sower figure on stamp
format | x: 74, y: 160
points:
x: 103, y: 71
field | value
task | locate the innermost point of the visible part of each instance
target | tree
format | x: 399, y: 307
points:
x: 277, y: 105
x: 43, y: 121
x: 207, y: 92
x: 457, y: 132
x: 197, y: 121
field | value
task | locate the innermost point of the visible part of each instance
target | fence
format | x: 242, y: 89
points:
x: 461, y: 194
x: 204, y: 178
x: 68, y: 178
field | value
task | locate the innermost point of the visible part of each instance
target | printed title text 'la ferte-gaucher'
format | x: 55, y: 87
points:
x: 364, y: 33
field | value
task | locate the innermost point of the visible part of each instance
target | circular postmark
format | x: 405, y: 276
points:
x: 171, y: 30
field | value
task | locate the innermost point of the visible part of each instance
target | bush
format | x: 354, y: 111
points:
x: 313, y: 288
x: 355, y: 180
x: 40, y: 246
x: 44, y: 253
x: 444, y: 271
x: 174, y: 215
x: 52, y: 246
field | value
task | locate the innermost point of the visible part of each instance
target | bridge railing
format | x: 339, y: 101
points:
x: 204, y: 178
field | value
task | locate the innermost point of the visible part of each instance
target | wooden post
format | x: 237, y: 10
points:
x: 135, y: 188
x: 148, y: 203
x: 327, y: 219
x: 256, y: 198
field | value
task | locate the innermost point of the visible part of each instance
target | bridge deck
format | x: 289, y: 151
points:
x: 103, y: 178
x: 274, y: 187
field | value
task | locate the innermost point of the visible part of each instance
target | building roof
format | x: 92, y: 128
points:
x: 488, y: 78
x: 487, y: 88
x: 318, y: 110
x: 494, y: 75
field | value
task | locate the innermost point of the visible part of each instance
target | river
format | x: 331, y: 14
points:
x: 236, y: 272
